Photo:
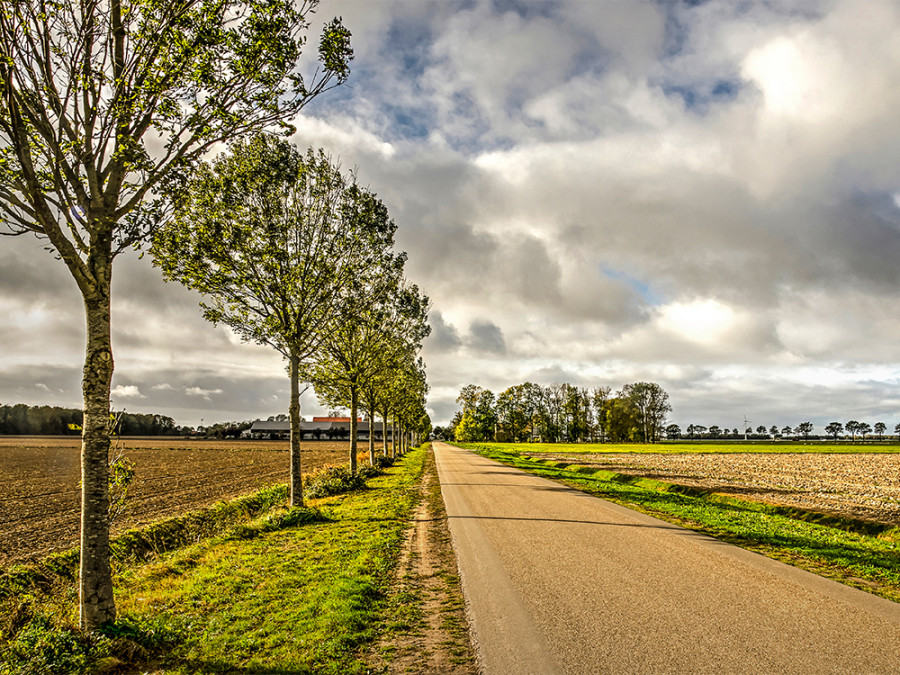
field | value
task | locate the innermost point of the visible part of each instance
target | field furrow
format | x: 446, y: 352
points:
x: 39, y: 483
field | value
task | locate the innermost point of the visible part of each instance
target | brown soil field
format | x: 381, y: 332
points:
x: 859, y: 485
x: 40, y: 475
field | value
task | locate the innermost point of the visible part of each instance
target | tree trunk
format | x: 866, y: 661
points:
x: 294, y: 413
x: 96, y: 602
x: 371, y: 417
x: 394, y: 438
x: 384, y: 433
x: 354, y: 406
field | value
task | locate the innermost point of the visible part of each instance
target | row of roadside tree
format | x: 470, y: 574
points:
x: 109, y: 114
x: 560, y: 413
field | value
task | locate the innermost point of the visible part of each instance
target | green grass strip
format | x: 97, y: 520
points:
x: 143, y: 543
x: 299, y: 599
x: 866, y: 557
x: 687, y: 447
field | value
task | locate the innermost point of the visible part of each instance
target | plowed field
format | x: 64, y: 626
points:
x: 859, y: 485
x: 39, y: 483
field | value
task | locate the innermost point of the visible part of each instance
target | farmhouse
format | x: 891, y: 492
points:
x: 321, y: 428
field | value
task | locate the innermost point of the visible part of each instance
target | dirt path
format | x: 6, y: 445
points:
x: 431, y: 635
x: 560, y: 582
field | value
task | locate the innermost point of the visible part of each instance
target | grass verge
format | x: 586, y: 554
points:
x: 686, y: 447
x: 856, y: 553
x: 296, y: 591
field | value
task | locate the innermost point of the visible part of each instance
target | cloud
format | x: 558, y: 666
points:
x: 485, y: 336
x: 700, y: 194
x: 203, y: 393
x: 126, y: 391
x: 444, y: 336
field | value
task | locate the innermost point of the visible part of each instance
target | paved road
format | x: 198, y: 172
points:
x: 560, y: 582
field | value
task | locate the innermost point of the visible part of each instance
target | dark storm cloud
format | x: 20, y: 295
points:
x: 26, y: 269
x: 444, y: 336
x: 858, y: 241
x: 486, y: 337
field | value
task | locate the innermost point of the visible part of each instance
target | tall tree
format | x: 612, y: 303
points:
x: 652, y: 404
x: 272, y: 238
x: 514, y: 413
x: 104, y: 104
x: 834, y: 429
x: 599, y: 397
x: 864, y: 429
x: 479, y: 417
x: 381, y: 319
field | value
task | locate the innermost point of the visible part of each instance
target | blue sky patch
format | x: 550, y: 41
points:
x: 642, y: 288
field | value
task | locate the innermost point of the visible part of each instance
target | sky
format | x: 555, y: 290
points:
x: 705, y: 195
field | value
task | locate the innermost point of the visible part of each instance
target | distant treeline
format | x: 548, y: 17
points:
x: 25, y: 420
x: 560, y: 413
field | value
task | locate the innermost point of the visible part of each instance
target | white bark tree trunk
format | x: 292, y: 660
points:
x: 296, y: 487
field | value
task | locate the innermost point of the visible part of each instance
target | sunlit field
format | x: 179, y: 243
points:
x: 687, y: 447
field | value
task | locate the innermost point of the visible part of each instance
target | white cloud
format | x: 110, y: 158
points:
x: 126, y: 391
x: 706, y: 322
x: 203, y: 393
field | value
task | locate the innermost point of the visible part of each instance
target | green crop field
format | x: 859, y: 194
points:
x: 686, y: 447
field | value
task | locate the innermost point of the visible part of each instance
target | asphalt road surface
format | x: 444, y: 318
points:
x: 557, y: 581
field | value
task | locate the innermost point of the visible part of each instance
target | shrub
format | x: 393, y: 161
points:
x: 383, y: 462
x: 277, y: 521
x: 40, y: 647
x: 332, y: 481
x: 368, y: 471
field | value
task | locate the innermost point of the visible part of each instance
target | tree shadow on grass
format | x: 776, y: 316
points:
x: 780, y: 531
x: 203, y: 666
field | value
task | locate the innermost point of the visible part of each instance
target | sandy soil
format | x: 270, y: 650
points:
x: 39, y: 483
x: 438, y: 643
x: 865, y: 486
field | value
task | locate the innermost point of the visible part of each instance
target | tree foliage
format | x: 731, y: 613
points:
x: 383, y: 320
x: 273, y: 239
x: 24, y: 420
x: 561, y: 412
x: 105, y: 106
